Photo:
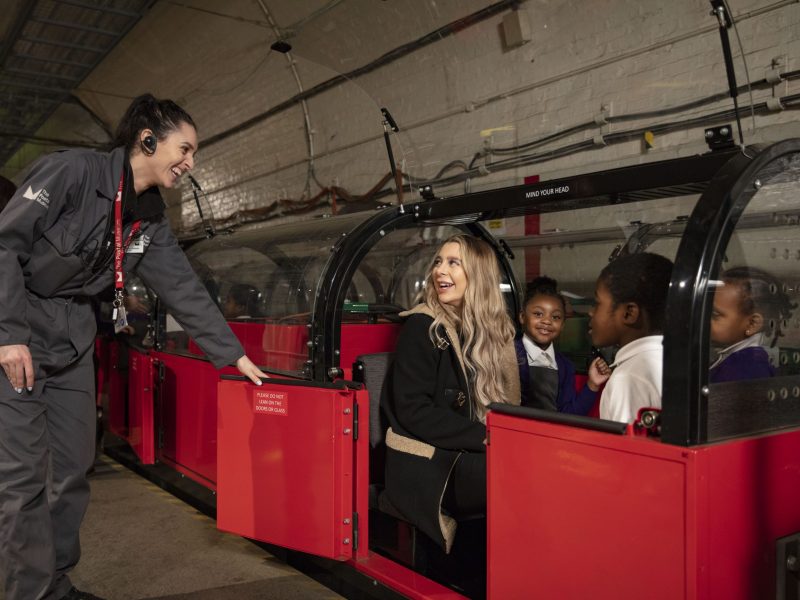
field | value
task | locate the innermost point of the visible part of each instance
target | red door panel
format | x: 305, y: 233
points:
x: 102, y: 367
x: 588, y: 514
x: 117, y: 389
x: 141, y: 432
x: 595, y: 515
x: 285, y: 465
x: 188, y: 416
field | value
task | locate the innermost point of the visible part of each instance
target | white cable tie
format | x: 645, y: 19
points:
x: 774, y: 104
x: 773, y: 76
x: 599, y: 140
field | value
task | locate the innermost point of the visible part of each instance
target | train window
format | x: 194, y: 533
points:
x: 139, y: 309
x: 265, y: 277
x: 398, y: 264
x: 754, y: 301
x: 573, y: 247
x: 280, y: 267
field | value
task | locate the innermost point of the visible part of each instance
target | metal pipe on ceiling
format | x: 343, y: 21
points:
x: 389, y: 57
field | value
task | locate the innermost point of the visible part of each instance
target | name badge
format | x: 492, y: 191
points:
x: 137, y: 245
x: 120, y: 319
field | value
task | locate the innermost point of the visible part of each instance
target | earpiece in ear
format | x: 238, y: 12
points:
x: 149, y: 143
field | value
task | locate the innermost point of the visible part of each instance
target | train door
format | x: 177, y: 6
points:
x: 185, y: 415
x: 700, y: 501
x: 285, y: 464
x: 117, y: 415
x: 141, y: 433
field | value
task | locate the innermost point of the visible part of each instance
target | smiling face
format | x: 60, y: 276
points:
x: 174, y: 155
x: 607, y: 321
x: 448, y: 276
x: 542, y: 319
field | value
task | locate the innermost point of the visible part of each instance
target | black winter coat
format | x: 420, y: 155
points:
x: 427, y: 404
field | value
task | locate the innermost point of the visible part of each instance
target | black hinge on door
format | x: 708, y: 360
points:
x: 160, y: 374
x: 355, y: 421
x: 788, y: 573
x: 355, y: 531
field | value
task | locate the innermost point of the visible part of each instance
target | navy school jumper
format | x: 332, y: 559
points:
x: 568, y: 400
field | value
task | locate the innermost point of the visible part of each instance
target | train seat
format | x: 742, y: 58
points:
x: 390, y: 533
x: 393, y: 536
x: 372, y: 370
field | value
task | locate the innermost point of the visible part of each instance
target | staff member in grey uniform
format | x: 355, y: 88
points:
x: 62, y: 241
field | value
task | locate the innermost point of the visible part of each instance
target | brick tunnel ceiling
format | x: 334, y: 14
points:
x: 49, y: 47
x: 68, y: 68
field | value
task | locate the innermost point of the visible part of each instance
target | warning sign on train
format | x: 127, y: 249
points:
x: 267, y: 402
x: 553, y: 191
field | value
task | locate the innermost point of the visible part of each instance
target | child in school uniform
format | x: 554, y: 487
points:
x: 547, y: 377
x: 745, y: 301
x: 630, y: 301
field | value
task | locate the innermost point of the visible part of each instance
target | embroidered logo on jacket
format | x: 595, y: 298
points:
x: 41, y: 196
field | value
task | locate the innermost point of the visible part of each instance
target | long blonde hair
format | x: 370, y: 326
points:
x: 483, y: 324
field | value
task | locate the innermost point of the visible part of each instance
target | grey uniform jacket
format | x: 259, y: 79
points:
x: 50, y: 235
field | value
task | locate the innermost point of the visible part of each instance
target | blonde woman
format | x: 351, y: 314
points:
x: 455, y: 356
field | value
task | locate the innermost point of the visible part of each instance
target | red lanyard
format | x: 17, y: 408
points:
x: 119, y: 247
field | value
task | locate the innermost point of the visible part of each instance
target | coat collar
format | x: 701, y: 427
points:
x: 147, y: 205
x: 648, y: 343
x: 533, y: 352
x: 452, y: 335
x: 509, y: 367
x: 755, y: 340
x: 109, y: 182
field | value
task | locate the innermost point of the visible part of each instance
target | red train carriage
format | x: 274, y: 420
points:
x: 699, y: 502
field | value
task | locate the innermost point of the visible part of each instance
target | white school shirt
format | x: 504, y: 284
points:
x: 636, y: 380
x: 538, y: 357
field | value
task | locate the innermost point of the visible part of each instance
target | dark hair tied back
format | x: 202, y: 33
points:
x: 762, y: 292
x: 147, y: 112
x: 642, y: 278
x: 543, y: 286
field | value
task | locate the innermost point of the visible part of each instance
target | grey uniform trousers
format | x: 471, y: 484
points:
x: 46, y: 448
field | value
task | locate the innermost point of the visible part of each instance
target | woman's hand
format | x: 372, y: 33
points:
x: 599, y: 372
x: 17, y: 363
x: 248, y: 369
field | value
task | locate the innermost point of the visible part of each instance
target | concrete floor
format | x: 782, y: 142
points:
x: 139, y: 542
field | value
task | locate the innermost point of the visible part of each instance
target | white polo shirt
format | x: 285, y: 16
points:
x: 636, y: 380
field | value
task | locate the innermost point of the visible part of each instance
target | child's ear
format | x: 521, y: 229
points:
x: 521, y: 317
x: 754, y: 324
x: 631, y: 314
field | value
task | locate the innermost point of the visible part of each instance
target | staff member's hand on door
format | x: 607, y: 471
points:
x: 249, y: 369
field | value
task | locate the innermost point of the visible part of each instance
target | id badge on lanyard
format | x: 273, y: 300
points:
x: 119, y: 316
